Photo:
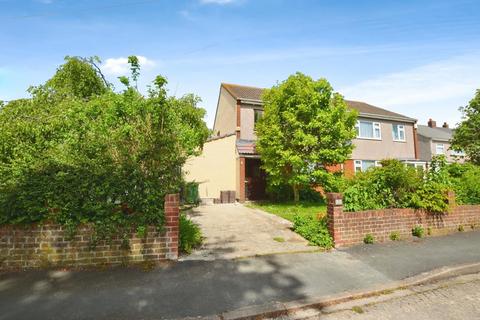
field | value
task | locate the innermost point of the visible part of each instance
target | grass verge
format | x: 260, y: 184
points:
x: 289, y: 210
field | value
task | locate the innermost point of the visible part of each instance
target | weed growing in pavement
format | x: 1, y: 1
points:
x: 357, y: 309
x: 418, y: 231
x: 395, y: 236
x: 368, y: 239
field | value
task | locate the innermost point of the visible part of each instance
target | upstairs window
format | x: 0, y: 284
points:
x: 368, y: 130
x: 257, y: 114
x: 439, y: 148
x: 398, y: 132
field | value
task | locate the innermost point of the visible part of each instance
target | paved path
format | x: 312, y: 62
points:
x: 457, y: 298
x: 235, y: 231
x: 201, y: 288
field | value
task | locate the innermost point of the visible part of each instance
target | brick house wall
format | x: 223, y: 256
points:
x: 350, y: 228
x: 48, y: 245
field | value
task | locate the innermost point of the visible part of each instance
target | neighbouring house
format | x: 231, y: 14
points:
x: 435, y: 141
x: 229, y: 161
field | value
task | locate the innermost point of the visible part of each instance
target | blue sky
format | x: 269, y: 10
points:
x: 419, y: 58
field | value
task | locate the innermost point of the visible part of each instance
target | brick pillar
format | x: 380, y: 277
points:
x: 335, y: 217
x: 172, y: 211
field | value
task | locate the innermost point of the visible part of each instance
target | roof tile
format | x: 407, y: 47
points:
x: 254, y: 93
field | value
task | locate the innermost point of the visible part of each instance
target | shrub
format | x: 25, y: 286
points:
x: 369, y: 239
x: 190, y: 234
x: 418, y: 231
x: 461, y: 228
x: 94, y: 156
x: 388, y: 186
x: 284, y: 193
x: 361, y: 194
x: 395, y: 185
x: 395, y: 236
x: 465, y: 179
x: 431, y: 196
x: 314, y: 230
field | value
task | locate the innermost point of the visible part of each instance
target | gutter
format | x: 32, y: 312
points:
x: 251, y: 101
x: 384, y: 117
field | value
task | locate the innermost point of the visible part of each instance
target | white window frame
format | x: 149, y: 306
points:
x: 400, y: 129
x: 436, y: 148
x: 358, y: 165
x: 375, y: 126
x: 455, y: 153
x: 416, y: 164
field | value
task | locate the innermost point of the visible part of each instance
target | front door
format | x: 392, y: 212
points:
x: 255, y: 180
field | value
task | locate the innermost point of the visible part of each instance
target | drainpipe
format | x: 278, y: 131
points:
x: 415, y: 140
x: 237, y: 130
x: 241, y: 196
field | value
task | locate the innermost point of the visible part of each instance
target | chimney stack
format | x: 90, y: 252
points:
x: 445, y: 125
x: 432, y: 124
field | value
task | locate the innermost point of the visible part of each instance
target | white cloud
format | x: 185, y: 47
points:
x: 120, y: 66
x: 221, y: 2
x: 433, y: 90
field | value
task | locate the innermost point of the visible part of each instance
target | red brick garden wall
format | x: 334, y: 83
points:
x: 49, y: 245
x: 350, y: 228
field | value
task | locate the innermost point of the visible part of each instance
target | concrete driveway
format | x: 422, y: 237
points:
x: 235, y: 231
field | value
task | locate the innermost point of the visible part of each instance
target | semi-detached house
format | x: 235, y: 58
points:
x: 436, y: 141
x: 229, y: 161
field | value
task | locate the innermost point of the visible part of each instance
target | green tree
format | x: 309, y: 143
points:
x: 78, y: 77
x: 467, y: 135
x: 76, y: 154
x: 305, y: 128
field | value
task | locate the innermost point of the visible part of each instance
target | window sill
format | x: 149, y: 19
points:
x: 374, y: 139
x: 403, y: 141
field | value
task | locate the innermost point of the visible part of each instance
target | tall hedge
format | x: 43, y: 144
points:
x: 73, y: 155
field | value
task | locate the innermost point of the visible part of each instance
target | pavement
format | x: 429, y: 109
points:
x: 452, y: 298
x: 205, y: 288
x: 235, y: 231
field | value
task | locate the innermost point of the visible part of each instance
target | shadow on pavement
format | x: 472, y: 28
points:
x: 185, y: 289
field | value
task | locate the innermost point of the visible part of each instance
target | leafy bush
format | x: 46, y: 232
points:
x: 75, y: 154
x: 369, y: 239
x: 465, y: 180
x: 311, y: 196
x: 314, y: 230
x: 418, y: 231
x: 395, y: 185
x: 190, y: 234
x: 431, y: 196
x: 394, y: 236
x: 284, y: 193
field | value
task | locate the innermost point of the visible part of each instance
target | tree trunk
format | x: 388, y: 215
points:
x: 296, y: 195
